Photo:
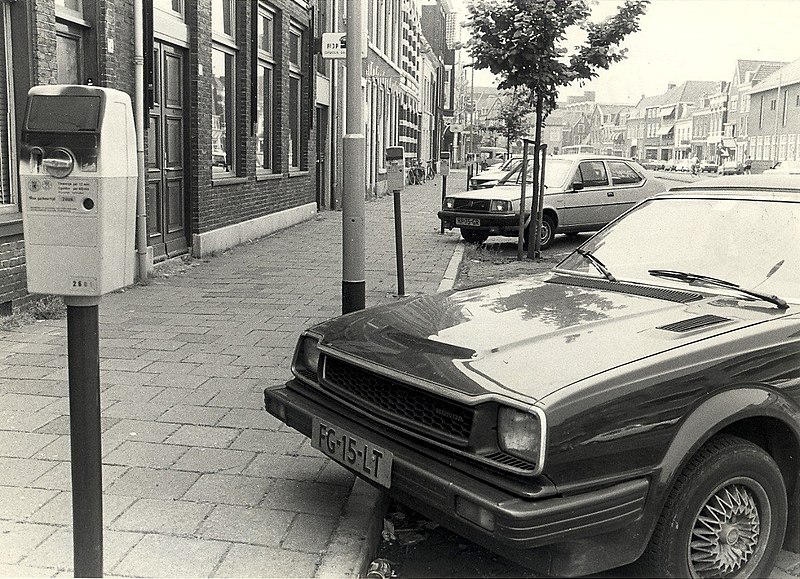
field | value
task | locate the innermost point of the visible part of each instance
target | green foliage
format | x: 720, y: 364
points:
x: 522, y: 41
x: 511, y: 120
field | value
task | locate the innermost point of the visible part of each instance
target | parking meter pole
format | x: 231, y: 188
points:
x: 521, y: 224
x: 83, y: 349
x: 469, y: 175
x: 398, y: 245
x: 444, y: 194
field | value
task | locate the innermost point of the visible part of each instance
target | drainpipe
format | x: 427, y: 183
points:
x: 138, y: 114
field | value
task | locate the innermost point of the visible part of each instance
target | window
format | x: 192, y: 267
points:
x: 761, y: 113
x: 264, y: 104
x: 785, y: 108
x: 592, y: 174
x: 298, y: 139
x: 622, y: 173
x: 223, y: 88
x: 773, y: 104
x: 170, y: 5
x: 8, y: 168
x: 71, y: 29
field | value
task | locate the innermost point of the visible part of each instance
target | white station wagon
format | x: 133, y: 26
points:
x: 582, y: 193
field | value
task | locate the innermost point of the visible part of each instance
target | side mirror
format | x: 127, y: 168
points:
x: 577, y: 185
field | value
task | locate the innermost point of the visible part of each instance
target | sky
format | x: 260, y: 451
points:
x: 683, y: 40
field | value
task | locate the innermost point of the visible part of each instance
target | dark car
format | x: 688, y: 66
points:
x: 640, y: 401
x: 582, y: 193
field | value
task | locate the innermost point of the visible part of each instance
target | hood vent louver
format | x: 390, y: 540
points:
x: 670, y: 295
x: 693, y: 323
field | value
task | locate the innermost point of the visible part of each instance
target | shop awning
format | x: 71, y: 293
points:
x: 667, y: 111
x: 729, y: 143
x: 665, y: 129
x: 713, y: 139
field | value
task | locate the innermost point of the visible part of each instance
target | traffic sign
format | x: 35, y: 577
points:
x: 334, y: 45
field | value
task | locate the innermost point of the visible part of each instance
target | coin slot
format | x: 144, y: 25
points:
x: 88, y: 203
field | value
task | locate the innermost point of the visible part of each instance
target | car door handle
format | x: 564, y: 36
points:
x: 610, y: 193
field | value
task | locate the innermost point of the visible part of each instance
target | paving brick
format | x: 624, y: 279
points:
x: 152, y: 483
x: 26, y: 402
x: 306, y: 497
x: 23, y: 471
x: 56, y: 550
x: 270, y: 442
x: 159, y: 555
x: 18, y: 539
x: 59, y: 477
x: 209, y: 460
x: 58, y: 510
x: 18, y: 503
x: 26, y: 420
x: 141, y: 430
x: 296, y: 468
x: 250, y: 418
x: 308, y: 533
x: 145, y: 454
x: 162, y: 516
x: 208, y: 436
x: 254, y: 561
x: 229, y: 490
x: 253, y: 525
x: 196, y: 415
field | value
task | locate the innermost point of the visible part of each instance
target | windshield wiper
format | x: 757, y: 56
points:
x: 599, y: 265
x: 713, y: 281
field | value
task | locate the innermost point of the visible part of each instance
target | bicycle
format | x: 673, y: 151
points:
x: 430, y: 170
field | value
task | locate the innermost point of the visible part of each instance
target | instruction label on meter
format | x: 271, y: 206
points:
x: 62, y: 196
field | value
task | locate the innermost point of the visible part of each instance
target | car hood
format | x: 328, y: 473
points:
x: 523, y: 339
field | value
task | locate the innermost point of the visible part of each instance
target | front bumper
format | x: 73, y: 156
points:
x: 518, y: 524
x: 493, y: 223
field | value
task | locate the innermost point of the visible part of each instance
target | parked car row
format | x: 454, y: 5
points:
x: 641, y: 401
x: 582, y: 193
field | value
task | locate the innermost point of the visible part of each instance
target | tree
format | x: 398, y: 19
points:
x: 511, y: 120
x: 522, y: 41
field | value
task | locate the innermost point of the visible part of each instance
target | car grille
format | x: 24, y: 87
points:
x: 694, y: 323
x: 397, y: 402
x: 471, y: 204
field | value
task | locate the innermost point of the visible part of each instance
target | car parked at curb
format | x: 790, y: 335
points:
x: 654, y: 164
x: 490, y: 177
x: 731, y: 168
x: 641, y: 401
x: 582, y: 193
x: 708, y: 167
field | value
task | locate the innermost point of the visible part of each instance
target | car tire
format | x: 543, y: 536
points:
x: 725, y: 515
x: 548, y: 231
x: 474, y: 235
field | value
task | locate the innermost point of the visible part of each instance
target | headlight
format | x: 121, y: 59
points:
x: 501, y: 206
x: 520, y: 434
x: 449, y: 202
x: 307, y: 358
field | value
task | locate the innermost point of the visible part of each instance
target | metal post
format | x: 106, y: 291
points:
x: 398, y: 245
x: 537, y: 249
x: 83, y: 349
x: 469, y: 175
x: 521, y: 226
x: 533, y: 231
x: 444, y: 194
x: 353, y: 282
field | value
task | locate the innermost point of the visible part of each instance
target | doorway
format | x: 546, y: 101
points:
x: 167, y: 199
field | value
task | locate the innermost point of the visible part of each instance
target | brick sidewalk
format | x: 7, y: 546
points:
x: 198, y: 479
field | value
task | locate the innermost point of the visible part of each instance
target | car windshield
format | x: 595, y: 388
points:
x: 555, y: 173
x: 752, y: 243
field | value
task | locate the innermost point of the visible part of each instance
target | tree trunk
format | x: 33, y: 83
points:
x: 533, y: 227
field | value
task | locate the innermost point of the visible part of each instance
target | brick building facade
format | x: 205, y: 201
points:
x: 231, y: 142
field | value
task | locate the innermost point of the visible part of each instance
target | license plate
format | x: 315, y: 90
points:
x: 468, y: 221
x: 370, y: 460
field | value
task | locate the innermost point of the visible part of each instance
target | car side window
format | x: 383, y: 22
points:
x: 592, y: 174
x: 622, y: 173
